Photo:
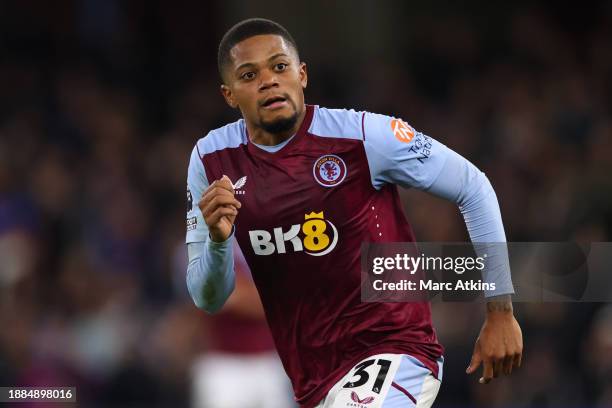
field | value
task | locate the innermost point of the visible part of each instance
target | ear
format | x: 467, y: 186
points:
x: 303, y: 74
x: 229, y: 97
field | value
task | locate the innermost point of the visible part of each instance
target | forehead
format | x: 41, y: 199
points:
x: 259, y: 48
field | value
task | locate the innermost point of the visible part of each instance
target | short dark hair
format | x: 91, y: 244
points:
x: 247, y: 29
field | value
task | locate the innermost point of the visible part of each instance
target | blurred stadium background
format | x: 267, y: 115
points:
x: 101, y: 102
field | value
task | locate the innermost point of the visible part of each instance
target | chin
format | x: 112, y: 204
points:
x: 279, y: 122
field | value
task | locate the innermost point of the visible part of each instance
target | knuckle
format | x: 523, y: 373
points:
x: 488, y: 357
x: 497, y: 354
x: 489, y: 353
x: 218, y: 200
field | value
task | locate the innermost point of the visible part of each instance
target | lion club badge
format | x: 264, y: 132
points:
x: 329, y: 170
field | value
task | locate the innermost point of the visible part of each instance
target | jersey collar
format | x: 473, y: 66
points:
x: 253, y: 149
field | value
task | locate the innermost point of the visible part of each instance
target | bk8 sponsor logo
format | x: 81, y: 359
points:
x: 320, y: 237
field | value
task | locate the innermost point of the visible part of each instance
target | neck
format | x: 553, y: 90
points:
x: 260, y: 136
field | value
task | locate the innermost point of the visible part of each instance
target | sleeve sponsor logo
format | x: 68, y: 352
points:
x: 189, y: 200
x: 402, y: 131
x: 192, y: 223
x: 422, y: 147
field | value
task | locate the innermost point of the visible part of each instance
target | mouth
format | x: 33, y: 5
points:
x: 274, y: 102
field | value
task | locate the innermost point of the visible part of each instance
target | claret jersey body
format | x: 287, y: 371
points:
x: 306, y: 209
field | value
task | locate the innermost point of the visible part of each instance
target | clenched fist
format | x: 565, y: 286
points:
x: 219, y: 208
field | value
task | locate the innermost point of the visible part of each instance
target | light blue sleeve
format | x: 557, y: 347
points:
x: 210, y: 272
x: 197, y: 231
x: 461, y: 182
x: 398, y: 154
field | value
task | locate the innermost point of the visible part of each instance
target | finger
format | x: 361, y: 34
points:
x: 474, y: 363
x: 223, y: 199
x: 215, y: 190
x: 518, y: 359
x: 498, y: 366
x: 508, y: 361
x: 219, y: 213
x: 487, y: 372
x: 212, y: 219
x: 223, y: 183
x: 219, y: 201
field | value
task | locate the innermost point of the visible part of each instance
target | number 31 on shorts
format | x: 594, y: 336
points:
x: 364, y: 377
x: 384, y: 381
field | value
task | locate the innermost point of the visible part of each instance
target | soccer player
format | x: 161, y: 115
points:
x: 301, y: 187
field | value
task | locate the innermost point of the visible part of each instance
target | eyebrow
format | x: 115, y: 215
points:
x: 250, y: 64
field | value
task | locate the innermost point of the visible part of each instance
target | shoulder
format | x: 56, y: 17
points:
x: 337, y: 123
x: 356, y: 125
x: 226, y: 137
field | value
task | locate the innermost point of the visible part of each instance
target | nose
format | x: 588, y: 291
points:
x: 268, y: 79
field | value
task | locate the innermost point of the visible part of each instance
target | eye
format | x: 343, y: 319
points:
x: 281, y: 66
x: 248, y: 75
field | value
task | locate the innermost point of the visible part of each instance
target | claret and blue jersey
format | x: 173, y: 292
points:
x: 307, y: 206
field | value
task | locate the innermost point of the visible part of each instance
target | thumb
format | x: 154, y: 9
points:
x: 475, y: 362
x: 227, y: 180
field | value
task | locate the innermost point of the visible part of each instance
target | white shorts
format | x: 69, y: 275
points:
x: 385, y: 381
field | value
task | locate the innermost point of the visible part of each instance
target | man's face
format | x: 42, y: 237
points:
x: 265, y: 80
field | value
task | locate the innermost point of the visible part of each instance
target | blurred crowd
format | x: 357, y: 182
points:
x: 102, y: 101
